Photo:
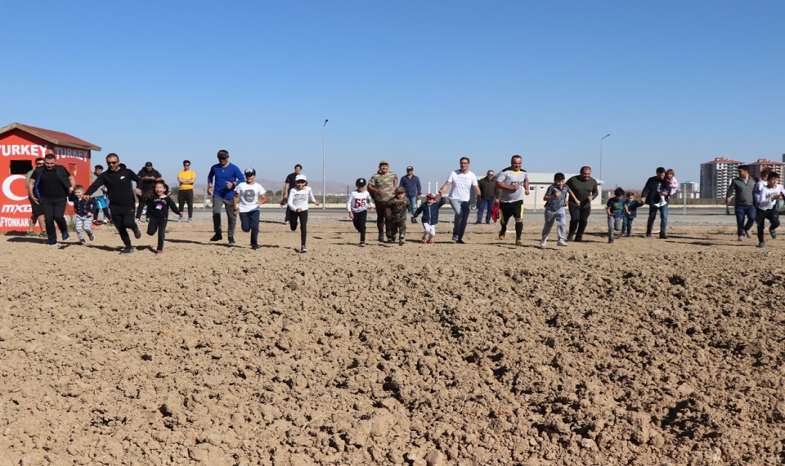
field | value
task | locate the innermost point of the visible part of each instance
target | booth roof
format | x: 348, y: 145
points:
x: 55, y: 137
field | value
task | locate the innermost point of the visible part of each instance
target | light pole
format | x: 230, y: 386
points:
x: 324, y: 179
x: 603, y: 138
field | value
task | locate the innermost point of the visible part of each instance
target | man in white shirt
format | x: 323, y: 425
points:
x: 461, y: 182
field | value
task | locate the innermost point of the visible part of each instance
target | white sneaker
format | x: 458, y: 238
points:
x: 561, y: 242
x: 543, y: 243
x: 303, y: 248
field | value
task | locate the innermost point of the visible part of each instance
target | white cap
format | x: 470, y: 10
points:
x: 300, y: 177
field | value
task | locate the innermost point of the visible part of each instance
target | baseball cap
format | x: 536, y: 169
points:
x: 360, y: 182
x: 431, y: 196
x: 300, y: 178
x: 250, y: 172
x: 223, y: 154
x: 409, y: 168
x: 384, y: 162
x: 148, y: 164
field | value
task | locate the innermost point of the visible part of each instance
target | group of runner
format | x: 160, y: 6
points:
x: 238, y: 194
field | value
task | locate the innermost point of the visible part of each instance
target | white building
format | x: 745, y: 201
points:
x: 716, y: 176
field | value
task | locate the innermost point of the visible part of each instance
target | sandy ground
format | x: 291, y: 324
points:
x: 645, y: 352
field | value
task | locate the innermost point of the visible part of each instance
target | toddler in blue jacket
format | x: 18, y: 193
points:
x: 430, y: 217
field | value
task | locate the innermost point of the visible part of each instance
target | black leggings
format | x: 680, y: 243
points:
x: 303, y: 218
x: 160, y: 225
x: 359, y: 223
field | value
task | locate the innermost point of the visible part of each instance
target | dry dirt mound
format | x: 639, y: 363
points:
x: 642, y: 352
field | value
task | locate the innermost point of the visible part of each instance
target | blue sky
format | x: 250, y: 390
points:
x: 675, y: 83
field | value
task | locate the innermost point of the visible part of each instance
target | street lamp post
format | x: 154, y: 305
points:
x: 602, y: 139
x: 324, y: 178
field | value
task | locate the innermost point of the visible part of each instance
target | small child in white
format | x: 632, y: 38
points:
x: 246, y: 203
x: 84, y: 212
x: 298, y: 207
x: 358, y: 204
x: 430, y: 217
x: 555, y: 200
x: 767, y: 197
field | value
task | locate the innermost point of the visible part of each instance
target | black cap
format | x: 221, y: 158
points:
x: 360, y: 182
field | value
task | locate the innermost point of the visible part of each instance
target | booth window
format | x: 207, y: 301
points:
x: 21, y: 167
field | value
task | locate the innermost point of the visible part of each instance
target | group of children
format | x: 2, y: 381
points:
x: 360, y: 202
x: 621, y: 213
x: 158, y: 204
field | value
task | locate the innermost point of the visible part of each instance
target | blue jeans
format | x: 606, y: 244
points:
x: 461, y: 209
x: 485, y: 206
x: 249, y: 221
x: 626, y: 226
x: 663, y: 219
x: 741, y: 211
x: 412, y: 204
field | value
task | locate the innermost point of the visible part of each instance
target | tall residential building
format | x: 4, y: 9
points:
x: 756, y: 167
x: 716, y: 176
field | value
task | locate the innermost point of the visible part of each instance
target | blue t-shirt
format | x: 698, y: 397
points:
x: 616, y: 206
x: 633, y: 208
x: 229, y: 173
x: 556, y: 204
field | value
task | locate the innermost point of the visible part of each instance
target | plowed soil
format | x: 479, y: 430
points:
x: 644, y: 352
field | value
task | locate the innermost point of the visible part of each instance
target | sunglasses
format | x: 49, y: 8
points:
x: 113, y: 163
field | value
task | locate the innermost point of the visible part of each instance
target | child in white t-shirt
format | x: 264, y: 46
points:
x: 298, y: 207
x: 767, y: 197
x: 247, y: 202
x: 358, y: 204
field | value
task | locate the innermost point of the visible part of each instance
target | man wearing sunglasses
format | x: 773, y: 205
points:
x: 118, y: 181
x: 222, y: 180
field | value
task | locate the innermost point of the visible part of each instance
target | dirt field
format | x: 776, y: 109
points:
x: 644, y: 352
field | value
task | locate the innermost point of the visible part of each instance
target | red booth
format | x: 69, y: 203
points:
x: 20, y: 145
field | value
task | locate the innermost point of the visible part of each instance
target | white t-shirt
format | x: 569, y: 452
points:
x: 298, y: 198
x: 461, y: 186
x: 248, y: 199
x: 512, y: 178
x: 359, y: 201
x: 765, y: 201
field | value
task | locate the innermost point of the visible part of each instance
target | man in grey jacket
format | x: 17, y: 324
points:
x: 743, y: 187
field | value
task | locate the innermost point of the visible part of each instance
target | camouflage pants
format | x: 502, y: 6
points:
x: 398, y: 225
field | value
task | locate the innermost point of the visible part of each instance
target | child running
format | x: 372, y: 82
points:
x: 615, y: 210
x: 767, y: 197
x: 430, y: 217
x: 555, y: 200
x: 358, y: 203
x: 246, y: 203
x: 158, y: 205
x: 630, y: 213
x: 298, y: 206
x: 84, y: 211
x: 399, y: 206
